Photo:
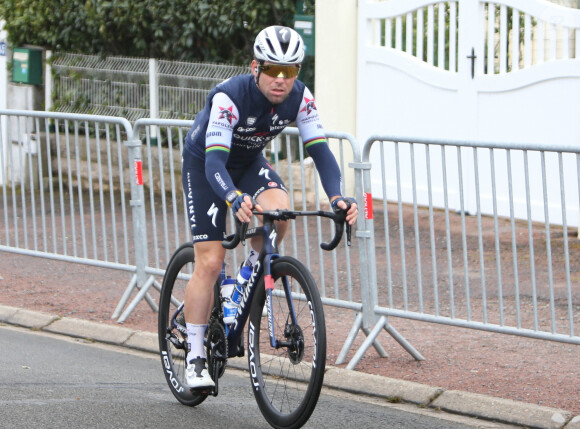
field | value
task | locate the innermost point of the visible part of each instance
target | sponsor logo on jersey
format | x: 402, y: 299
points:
x: 272, y: 184
x: 265, y: 172
x: 220, y: 181
x: 251, y: 120
x: 309, y: 107
x: 212, y: 212
x: 190, y: 205
x: 245, y: 129
x: 258, y: 192
x: 251, y: 142
x: 194, y: 132
x: 227, y: 113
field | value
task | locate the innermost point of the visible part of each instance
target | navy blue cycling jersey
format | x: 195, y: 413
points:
x: 238, y: 121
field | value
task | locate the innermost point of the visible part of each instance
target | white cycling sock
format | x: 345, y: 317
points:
x: 195, y: 334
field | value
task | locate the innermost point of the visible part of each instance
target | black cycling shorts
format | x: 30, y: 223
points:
x: 205, y: 210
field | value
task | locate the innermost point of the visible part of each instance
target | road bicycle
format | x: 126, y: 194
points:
x: 286, y: 331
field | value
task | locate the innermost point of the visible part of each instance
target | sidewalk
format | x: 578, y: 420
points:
x: 454, y: 401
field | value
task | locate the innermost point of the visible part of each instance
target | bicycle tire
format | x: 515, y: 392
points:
x: 173, y: 354
x: 287, y: 381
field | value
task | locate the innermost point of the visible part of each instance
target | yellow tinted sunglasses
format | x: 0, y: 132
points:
x: 276, y: 71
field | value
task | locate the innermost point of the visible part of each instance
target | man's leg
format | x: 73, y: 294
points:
x: 273, y: 199
x: 209, y: 257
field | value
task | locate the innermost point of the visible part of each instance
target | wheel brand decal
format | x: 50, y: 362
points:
x: 270, y: 315
x: 251, y: 342
x: 176, y: 384
x: 313, y: 334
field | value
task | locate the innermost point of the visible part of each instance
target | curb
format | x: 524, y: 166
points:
x: 393, y: 390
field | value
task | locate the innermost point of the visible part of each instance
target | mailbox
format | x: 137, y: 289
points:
x: 27, y: 66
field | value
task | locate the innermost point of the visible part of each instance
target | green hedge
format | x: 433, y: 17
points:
x: 198, y: 30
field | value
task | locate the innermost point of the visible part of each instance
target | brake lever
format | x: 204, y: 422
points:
x: 243, y: 230
x: 348, y: 233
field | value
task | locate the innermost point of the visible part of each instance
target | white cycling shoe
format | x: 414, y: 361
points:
x: 197, y: 376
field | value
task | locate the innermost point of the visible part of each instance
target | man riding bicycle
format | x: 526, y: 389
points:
x: 223, y: 166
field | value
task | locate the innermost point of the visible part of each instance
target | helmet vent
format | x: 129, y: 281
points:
x: 270, y: 45
x: 298, y: 47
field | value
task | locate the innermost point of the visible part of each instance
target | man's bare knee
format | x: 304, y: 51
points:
x: 209, y: 258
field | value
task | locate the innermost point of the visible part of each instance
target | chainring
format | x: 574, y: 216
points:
x: 216, y: 347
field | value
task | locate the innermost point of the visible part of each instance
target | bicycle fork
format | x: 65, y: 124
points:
x: 269, y: 285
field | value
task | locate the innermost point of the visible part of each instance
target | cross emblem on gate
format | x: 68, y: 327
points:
x: 472, y: 57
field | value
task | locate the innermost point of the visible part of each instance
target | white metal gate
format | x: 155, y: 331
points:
x: 506, y: 71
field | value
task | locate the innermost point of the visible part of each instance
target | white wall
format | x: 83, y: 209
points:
x: 336, y: 61
x: 336, y: 39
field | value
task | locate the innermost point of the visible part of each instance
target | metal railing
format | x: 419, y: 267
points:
x: 436, y: 264
x: 116, y: 201
x: 134, y: 88
x: 94, y: 190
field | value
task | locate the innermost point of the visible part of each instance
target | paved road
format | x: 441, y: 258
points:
x: 49, y: 381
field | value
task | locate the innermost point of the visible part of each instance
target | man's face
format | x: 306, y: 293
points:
x: 275, y: 88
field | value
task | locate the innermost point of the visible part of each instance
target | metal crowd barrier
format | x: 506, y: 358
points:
x: 114, y: 199
x: 96, y: 191
x: 59, y: 175
x: 433, y: 262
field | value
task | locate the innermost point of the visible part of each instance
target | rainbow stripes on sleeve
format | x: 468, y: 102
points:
x: 217, y: 146
x: 313, y: 141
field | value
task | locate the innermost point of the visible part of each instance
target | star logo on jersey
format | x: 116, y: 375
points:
x: 309, y: 107
x: 227, y: 113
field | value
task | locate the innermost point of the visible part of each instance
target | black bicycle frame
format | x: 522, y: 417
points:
x: 262, y: 268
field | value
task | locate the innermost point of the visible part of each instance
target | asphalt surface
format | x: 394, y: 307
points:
x: 52, y: 381
x: 478, y: 406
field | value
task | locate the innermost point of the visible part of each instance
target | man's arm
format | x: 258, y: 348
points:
x: 315, y: 143
x: 218, y: 139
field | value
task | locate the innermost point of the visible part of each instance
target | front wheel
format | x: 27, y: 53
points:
x: 287, y: 380
x: 171, y: 326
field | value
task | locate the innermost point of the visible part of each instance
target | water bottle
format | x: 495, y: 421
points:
x: 232, y: 292
x: 230, y: 309
x: 241, y: 281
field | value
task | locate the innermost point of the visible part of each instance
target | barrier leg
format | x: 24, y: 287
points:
x: 143, y: 293
x: 125, y: 298
x: 380, y: 350
x: 365, y: 345
x: 371, y: 339
x: 350, y: 340
x: 123, y: 301
x: 402, y: 341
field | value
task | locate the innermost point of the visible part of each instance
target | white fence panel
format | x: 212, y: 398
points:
x: 505, y: 71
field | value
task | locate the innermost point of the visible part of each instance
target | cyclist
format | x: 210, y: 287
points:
x: 223, y: 166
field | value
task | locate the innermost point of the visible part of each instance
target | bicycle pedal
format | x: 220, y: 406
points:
x: 201, y: 391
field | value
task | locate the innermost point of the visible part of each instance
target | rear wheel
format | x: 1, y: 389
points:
x: 287, y: 380
x: 173, y: 337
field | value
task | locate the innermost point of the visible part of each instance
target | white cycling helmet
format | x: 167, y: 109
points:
x: 279, y: 45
